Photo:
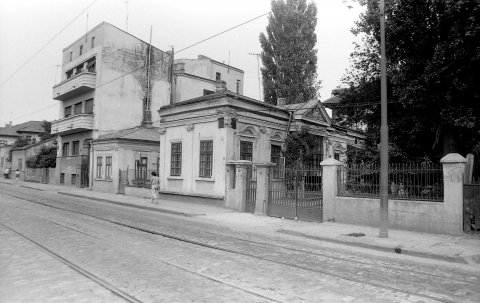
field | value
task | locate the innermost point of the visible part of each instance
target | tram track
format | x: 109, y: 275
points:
x: 103, y: 283
x: 263, y: 258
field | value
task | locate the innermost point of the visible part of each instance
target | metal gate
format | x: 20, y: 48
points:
x: 471, y: 207
x: 251, y: 194
x: 295, y: 194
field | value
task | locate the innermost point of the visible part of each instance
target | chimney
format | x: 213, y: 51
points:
x: 179, y: 68
x: 281, y: 101
x: 221, y: 87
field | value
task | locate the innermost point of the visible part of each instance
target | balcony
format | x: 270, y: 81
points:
x: 73, y: 124
x: 74, y: 86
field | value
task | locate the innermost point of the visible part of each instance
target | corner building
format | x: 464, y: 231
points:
x: 110, y: 82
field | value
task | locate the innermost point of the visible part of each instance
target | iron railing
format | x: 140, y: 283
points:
x: 137, y: 177
x: 406, y: 181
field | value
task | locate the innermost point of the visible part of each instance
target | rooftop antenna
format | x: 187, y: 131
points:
x: 258, y: 71
x: 126, y: 20
x: 86, y: 29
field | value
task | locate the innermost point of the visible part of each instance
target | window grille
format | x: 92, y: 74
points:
x: 176, y: 159
x: 206, y: 156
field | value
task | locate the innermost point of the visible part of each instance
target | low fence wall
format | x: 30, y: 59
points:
x: 444, y: 216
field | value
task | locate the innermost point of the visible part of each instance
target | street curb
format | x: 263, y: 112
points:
x: 171, y: 212
x: 396, y: 250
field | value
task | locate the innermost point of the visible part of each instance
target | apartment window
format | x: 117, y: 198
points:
x: 62, y: 178
x: 176, y: 160
x: 68, y: 111
x: 92, y: 42
x: 77, y: 108
x: 108, y: 167
x: 71, y: 56
x: 99, y: 167
x: 206, y: 156
x: 246, y: 149
x: 81, y: 50
x: 75, y: 148
x: 218, y: 76
x: 91, y: 65
x: 69, y: 74
x: 20, y: 162
x: 238, y: 86
x: 89, y: 106
x: 65, y: 149
x: 74, y: 179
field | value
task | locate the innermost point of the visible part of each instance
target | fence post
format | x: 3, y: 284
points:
x: 453, y: 172
x: 262, y: 187
x: 329, y: 187
x: 239, y: 202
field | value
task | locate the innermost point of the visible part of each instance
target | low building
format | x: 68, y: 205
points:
x: 20, y: 155
x: 200, y: 136
x: 30, y: 130
x: 125, y: 159
x: 198, y: 77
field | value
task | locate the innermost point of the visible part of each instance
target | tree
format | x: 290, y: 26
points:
x: 47, y: 129
x: 20, y: 142
x: 45, y: 158
x: 433, y: 58
x: 289, y: 56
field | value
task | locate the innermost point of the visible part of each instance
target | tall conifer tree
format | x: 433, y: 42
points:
x: 289, y: 56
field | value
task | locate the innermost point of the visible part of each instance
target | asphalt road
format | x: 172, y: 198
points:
x: 58, y: 248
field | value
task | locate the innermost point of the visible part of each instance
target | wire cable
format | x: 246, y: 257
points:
x: 162, y: 59
x: 45, y: 45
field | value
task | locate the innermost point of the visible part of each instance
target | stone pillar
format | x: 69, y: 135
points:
x: 239, y: 202
x: 262, y: 187
x: 329, y: 187
x: 453, y: 171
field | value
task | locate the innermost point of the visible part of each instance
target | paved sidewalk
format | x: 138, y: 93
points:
x: 458, y: 249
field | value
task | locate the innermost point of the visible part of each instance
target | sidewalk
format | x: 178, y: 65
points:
x: 462, y: 249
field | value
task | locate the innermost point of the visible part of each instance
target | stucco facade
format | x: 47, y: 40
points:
x: 197, y: 77
x: 214, y: 130
x: 106, y: 86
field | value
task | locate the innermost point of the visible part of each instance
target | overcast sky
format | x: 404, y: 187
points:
x: 28, y: 25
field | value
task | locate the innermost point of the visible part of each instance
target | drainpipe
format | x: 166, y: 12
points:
x: 289, y: 121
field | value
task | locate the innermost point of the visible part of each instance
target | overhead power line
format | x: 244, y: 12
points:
x: 164, y: 58
x: 45, y: 45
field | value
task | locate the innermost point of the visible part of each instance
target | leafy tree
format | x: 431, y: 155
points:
x: 45, y: 158
x: 289, y: 56
x: 47, y: 127
x: 299, y: 146
x: 433, y: 58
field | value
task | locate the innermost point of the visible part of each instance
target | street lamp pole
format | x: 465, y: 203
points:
x: 383, y: 130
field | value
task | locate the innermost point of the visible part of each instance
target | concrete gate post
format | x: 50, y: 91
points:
x: 262, y: 187
x: 329, y: 187
x: 453, y: 171
x: 239, y: 201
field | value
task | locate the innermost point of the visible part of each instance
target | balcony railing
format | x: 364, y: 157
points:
x: 73, y: 124
x: 74, y: 86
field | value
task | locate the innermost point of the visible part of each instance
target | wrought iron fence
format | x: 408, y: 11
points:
x: 137, y: 177
x: 407, y: 181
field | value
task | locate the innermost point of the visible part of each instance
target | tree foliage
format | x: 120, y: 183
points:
x: 45, y: 158
x: 433, y: 59
x: 289, y: 56
x: 47, y: 128
x: 20, y: 142
x: 299, y: 146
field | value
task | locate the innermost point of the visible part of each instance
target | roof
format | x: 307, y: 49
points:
x: 301, y: 108
x: 138, y: 133
x: 54, y: 139
x: 332, y: 101
x: 26, y: 127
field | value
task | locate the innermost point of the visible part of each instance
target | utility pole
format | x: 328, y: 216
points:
x: 258, y: 71
x: 383, y: 129
x: 126, y: 2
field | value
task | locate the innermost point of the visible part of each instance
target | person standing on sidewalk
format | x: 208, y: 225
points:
x: 155, y: 187
x: 6, y: 173
x: 17, y: 175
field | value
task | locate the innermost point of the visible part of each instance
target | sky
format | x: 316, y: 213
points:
x: 34, y: 32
